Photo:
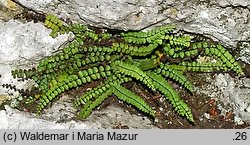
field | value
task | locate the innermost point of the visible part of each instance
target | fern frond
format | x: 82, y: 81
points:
x: 154, y: 36
x: 133, y: 50
x: 56, y: 25
x: 95, y: 96
x: 129, y: 97
x: 178, y: 40
x: 93, y: 93
x: 91, y: 104
x: 145, y: 64
x: 72, y: 81
x: 179, y: 105
x: 178, y: 52
x: 224, y: 55
x: 48, y: 74
x: 23, y: 73
x: 201, y: 67
x: 133, y: 71
x: 83, y: 32
x: 168, y: 71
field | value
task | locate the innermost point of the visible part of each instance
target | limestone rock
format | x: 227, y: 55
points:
x: 22, y: 45
x: 226, y: 21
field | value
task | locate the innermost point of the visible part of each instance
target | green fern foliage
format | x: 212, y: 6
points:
x: 153, y: 36
x: 56, y: 25
x: 164, y: 87
x: 129, y: 97
x: 112, y: 60
x: 134, y: 72
x: 203, y: 67
x: 170, y: 72
x: 91, y: 104
x: 222, y: 54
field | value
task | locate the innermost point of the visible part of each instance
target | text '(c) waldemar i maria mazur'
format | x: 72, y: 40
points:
x: 78, y: 136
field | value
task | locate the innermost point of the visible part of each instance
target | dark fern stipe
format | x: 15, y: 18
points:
x: 113, y: 60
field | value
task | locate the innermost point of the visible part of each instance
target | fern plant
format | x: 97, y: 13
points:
x: 115, y: 59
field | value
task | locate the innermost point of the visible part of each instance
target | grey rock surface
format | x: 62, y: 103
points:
x: 234, y: 3
x: 14, y: 119
x: 30, y: 40
x: 232, y: 94
x: 21, y: 46
x: 245, y: 52
x: 226, y: 21
x: 235, y: 93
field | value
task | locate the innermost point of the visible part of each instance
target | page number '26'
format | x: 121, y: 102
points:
x: 240, y: 136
